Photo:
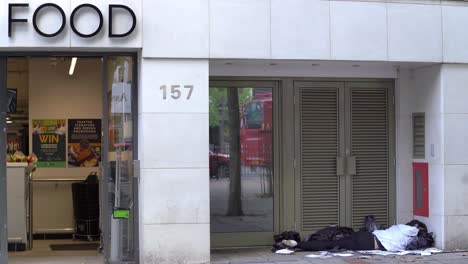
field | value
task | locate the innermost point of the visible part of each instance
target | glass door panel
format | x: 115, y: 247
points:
x: 241, y: 164
x: 122, y: 211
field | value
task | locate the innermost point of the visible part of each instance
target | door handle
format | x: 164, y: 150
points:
x: 340, y: 166
x: 351, y: 165
x: 136, y: 169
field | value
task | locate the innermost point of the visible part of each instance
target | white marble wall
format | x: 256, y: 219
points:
x: 306, y: 29
x: 420, y: 90
x: 262, y: 29
x: 173, y: 135
x: 439, y: 91
x: 455, y: 79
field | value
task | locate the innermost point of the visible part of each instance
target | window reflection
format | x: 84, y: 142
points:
x: 241, y: 179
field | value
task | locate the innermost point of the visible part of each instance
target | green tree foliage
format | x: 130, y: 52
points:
x: 218, y: 103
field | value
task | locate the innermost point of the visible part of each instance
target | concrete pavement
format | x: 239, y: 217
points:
x: 263, y: 255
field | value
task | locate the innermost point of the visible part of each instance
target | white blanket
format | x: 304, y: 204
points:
x: 397, y: 237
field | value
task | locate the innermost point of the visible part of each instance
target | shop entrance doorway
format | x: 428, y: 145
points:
x: 77, y: 113
x: 346, y: 152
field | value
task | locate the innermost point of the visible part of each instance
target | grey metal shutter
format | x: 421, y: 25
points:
x: 319, y: 119
x: 419, y: 136
x: 370, y: 146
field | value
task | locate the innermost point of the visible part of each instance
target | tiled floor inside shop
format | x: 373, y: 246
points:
x: 42, y: 254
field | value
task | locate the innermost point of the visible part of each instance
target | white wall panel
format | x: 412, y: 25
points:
x: 174, y: 141
x: 455, y: 232
x: 87, y: 21
x: 420, y: 90
x: 404, y: 189
x: 176, y: 28
x: 240, y: 29
x: 176, y: 243
x: 454, y: 34
x: 405, y: 141
x: 358, y: 30
x: 456, y: 189
x: 300, y: 29
x: 182, y: 196
x: 414, y: 32
x: 156, y: 73
x: 436, y: 189
x: 456, y: 144
x: 455, y: 88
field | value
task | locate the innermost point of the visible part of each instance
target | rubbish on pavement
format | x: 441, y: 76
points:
x: 323, y: 255
x: 343, y: 254
x: 425, y: 252
x: 284, y: 252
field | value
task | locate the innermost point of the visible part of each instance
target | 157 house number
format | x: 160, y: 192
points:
x: 176, y: 91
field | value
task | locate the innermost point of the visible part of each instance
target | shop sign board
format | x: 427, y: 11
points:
x: 49, y: 142
x: 16, y: 9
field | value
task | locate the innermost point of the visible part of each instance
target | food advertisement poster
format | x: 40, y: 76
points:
x: 84, y: 142
x: 49, y: 142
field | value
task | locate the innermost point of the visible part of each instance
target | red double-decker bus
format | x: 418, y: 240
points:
x: 256, y: 133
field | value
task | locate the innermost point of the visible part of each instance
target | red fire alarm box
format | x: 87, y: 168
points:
x: 421, y: 189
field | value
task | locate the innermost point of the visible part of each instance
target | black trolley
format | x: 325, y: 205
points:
x: 86, y: 208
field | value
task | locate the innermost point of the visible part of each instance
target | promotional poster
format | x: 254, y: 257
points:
x: 84, y: 142
x: 49, y: 142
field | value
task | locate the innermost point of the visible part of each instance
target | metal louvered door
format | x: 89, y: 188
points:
x: 320, y: 185
x: 368, y: 116
x: 344, y: 151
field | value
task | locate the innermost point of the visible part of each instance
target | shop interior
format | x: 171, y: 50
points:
x: 54, y: 144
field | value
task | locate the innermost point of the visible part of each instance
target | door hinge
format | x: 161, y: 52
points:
x: 294, y: 99
x: 295, y: 163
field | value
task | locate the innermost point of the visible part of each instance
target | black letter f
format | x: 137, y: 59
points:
x: 10, y: 15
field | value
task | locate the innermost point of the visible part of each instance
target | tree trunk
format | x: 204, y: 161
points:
x: 235, y: 202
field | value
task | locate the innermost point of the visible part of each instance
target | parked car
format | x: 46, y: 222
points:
x: 219, y: 165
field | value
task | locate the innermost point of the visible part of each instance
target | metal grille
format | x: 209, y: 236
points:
x: 370, y: 146
x: 419, y: 136
x: 319, y: 113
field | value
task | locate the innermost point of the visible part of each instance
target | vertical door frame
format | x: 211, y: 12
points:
x: 3, y: 166
x: 105, y: 168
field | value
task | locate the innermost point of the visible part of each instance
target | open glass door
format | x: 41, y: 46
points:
x: 3, y: 188
x: 120, y: 171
